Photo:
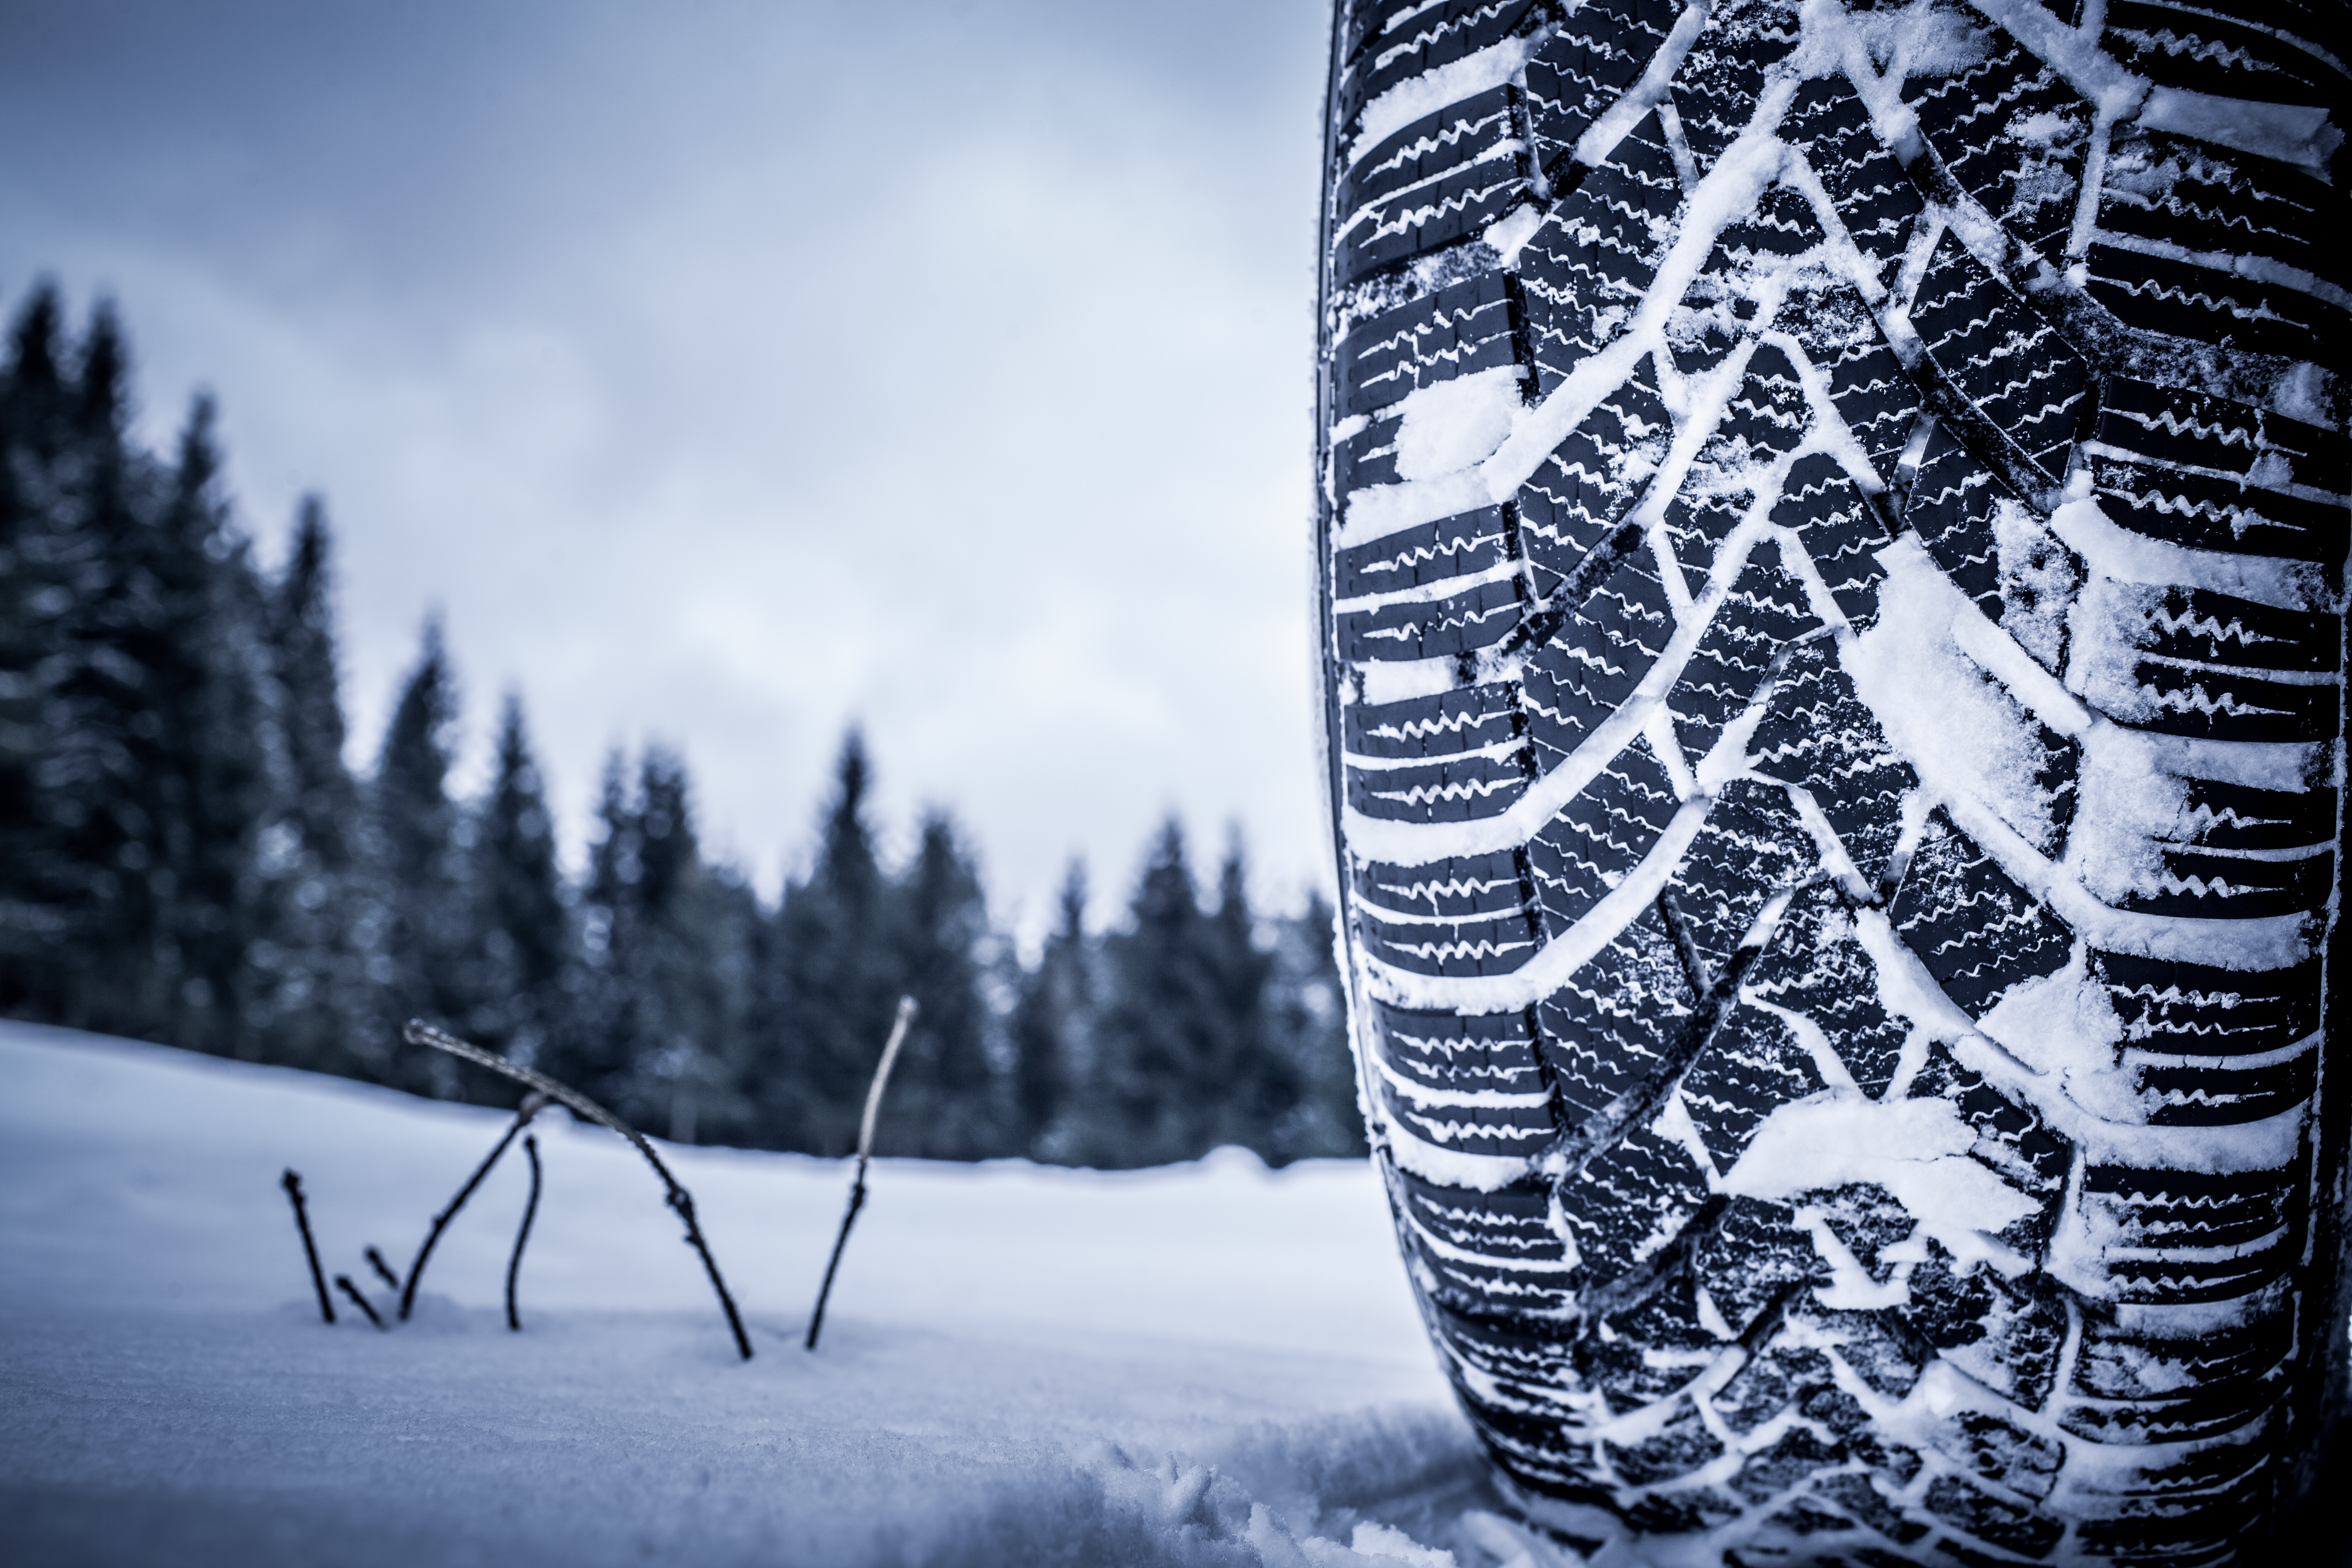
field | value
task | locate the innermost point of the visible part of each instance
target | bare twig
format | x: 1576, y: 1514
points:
x: 382, y: 1269
x: 420, y: 1032
x: 343, y: 1283
x: 514, y: 1264
x: 531, y: 1104
x: 293, y: 1185
x: 864, y: 1152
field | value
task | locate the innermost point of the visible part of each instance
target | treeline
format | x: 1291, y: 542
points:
x: 186, y: 858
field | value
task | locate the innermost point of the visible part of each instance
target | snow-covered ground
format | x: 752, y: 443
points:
x: 1211, y: 1364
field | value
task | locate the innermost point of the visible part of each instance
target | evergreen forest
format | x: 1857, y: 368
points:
x: 187, y: 857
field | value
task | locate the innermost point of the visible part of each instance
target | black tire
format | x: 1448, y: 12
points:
x: 1834, y: 672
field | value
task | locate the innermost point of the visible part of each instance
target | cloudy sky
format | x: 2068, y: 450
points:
x: 726, y: 372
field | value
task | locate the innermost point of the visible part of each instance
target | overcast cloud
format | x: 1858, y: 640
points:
x: 726, y: 372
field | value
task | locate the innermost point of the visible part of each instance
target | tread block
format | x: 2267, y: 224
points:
x: 2207, y: 53
x: 1666, y: 1319
x: 2198, y: 625
x: 1585, y: 267
x: 1953, y: 506
x: 2008, y: 361
x: 1469, y: 945
x: 2221, y: 201
x: 1367, y: 459
x: 2202, y: 1094
x: 1978, y: 932
x: 1751, y: 847
x: 1752, y: 1065
x: 1577, y: 680
x: 1417, y: 221
x: 1819, y: 733
x: 2005, y: 1333
x: 1754, y: 1257
x: 1614, y: 1023
x: 1460, y: 1051
x: 1873, y: 195
x: 2014, y: 136
x: 2171, y: 428
x: 1480, y: 127
x: 1432, y: 628
x: 1442, y: 725
x: 1871, y: 390
x: 1460, y: 789
x: 1600, y: 837
x: 1766, y: 610
x: 1457, y: 886
x: 2235, y: 817
x: 1433, y: 553
x: 1839, y: 530
x: 1815, y: 966
x: 2013, y: 1526
x: 1698, y: 520
x: 2182, y: 300
x: 2187, y: 1236
x: 2190, y: 1009
x: 1593, y: 478
x: 2191, y: 1211
x: 1681, y: 1446
x: 2235, y: 887
x: 2206, y: 512
x: 1767, y: 416
x: 2122, y: 1365
x: 1458, y: 330
x: 1495, y: 1252
x: 1417, y: 39
x: 1785, y: 1371
x: 1716, y: 89
x: 1533, y: 1360
x: 1587, y: 66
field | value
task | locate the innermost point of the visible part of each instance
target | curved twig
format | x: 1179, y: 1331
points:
x: 529, y: 1108
x: 420, y: 1032
x: 864, y: 1152
x: 514, y: 1264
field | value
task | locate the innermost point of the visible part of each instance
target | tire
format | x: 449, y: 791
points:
x: 1831, y: 595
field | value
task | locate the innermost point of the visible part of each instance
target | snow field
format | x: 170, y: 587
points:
x: 1210, y: 1363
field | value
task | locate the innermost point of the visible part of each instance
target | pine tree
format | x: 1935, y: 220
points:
x: 1051, y: 1029
x: 1156, y: 1089
x: 208, y: 686
x: 1308, y: 1012
x: 830, y: 985
x: 39, y: 891
x: 323, y: 998
x: 944, y: 1103
x: 1251, y: 1086
x: 419, y: 961
x: 522, y: 924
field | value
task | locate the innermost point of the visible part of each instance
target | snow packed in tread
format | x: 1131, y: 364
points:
x: 1986, y: 488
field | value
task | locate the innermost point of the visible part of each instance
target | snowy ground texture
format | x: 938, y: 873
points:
x: 1211, y: 1364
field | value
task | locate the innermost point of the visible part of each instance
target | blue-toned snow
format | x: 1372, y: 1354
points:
x: 1209, y: 1363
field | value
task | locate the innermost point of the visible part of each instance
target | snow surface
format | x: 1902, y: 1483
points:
x: 1207, y: 1363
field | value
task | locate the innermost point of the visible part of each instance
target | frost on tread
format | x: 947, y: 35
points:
x: 1833, y: 530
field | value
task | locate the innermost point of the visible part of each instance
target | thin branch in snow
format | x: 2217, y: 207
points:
x: 293, y: 1185
x: 530, y: 1208
x: 382, y: 1269
x: 864, y: 1152
x: 420, y: 1032
x: 343, y: 1283
x: 529, y: 1108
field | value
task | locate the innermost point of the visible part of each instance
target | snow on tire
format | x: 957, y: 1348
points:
x: 1832, y: 534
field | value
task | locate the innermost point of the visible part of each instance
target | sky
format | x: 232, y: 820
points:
x: 725, y: 374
